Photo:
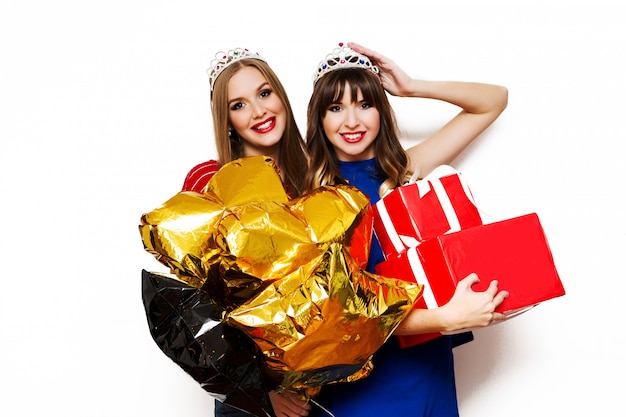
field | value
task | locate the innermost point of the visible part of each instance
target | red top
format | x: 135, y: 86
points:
x: 199, y: 176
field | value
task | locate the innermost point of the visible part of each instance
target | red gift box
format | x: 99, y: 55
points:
x: 440, y: 203
x: 514, y: 251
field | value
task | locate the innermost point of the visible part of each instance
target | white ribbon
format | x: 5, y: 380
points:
x: 420, y: 278
x: 401, y: 242
x: 434, y: 178
x: 383, y: 214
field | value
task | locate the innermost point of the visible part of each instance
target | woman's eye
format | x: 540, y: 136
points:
x: 236, y: 106
x: 334, y: 109
x: 366, y: 106
x: 266, y: 93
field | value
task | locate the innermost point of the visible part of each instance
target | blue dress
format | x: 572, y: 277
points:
x: 416, y: 381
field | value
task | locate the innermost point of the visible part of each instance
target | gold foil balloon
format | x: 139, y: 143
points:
x: 287, y: 272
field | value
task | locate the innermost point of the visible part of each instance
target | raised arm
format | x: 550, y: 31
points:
x: 480, y: 104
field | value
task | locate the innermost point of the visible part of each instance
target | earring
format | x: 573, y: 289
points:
x: 230, y: 133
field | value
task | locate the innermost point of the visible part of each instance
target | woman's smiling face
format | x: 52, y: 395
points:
x: 352, y: 127
x: 256, y: 112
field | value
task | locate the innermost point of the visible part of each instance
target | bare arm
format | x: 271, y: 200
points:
x: 466, y: 309
x: 480, y: 104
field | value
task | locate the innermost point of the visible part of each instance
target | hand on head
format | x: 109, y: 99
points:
x: 393, y: 78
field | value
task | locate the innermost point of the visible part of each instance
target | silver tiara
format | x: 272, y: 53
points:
x: 343, y: 57
x: 223, y: 59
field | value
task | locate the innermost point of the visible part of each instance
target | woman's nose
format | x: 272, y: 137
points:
x: 258, y: 109
x: 351, y: 118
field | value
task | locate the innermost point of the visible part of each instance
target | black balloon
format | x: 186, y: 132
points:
x: 186, y: 324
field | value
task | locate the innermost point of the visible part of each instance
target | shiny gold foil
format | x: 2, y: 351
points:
x: 338, y: 315
x: 314, y: 312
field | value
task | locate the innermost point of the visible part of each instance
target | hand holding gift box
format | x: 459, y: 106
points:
x: 514, y: 252
x: 433, y: 233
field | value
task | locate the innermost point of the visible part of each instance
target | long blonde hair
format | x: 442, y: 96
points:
x: 391, y: 159
x: 293, y: 161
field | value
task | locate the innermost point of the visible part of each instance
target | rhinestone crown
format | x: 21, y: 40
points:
x: 223, y: 59
x: 343, y: 57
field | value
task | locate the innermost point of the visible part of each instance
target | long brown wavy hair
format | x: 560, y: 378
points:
x: 391, y: 159
x: 293, y: 161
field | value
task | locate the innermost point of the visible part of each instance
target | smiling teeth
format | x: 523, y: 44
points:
x: 352, y: 135
x: 264, y: 125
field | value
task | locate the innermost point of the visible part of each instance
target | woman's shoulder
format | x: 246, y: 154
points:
x: 198, y: 176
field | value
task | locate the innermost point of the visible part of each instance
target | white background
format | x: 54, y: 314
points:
x: 105, y: 107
